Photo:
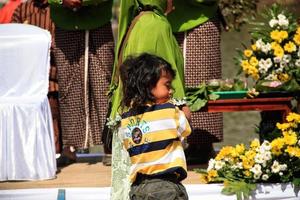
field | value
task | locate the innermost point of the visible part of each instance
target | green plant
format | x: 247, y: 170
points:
x: 273, y: 59
x: 240, y: 168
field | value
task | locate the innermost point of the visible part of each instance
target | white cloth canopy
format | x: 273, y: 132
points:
x: 27, y: 150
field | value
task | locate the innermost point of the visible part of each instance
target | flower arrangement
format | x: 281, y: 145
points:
x: 240, y: 168
x: 273, y: 58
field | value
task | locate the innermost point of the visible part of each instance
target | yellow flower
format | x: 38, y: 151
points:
x: 283, y: 77
x: 297, y: 39
x: 245, y: 64
x: 279, y: 36
x: 254, y: 47
x: 247, y: 173
x: 274, y: 45
x: 250, y: 154
x: 293, y: 117
x: 211, y: 175
x: 248, y: 53
x: 247, y: 163
x: 290, y: 47
x: 275, y: 35
x: 298, y: 30
x: 290, y: 138
x: 254, y: 144
x: 278, y: 51
x: 253, y: 61
x: 203, y: 179
x: 224, y: 152
x: 293, y: 151
x: 283, y: 35
x: 277, y: 144
x: 240, y: 148
x: 283, y: 126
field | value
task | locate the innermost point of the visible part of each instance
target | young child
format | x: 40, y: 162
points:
x: 152, y: 129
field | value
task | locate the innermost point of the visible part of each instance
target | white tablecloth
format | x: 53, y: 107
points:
x: 195, y: 192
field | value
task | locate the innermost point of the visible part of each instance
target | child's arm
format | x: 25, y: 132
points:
x: 186, y: 110
x: 184, y: 128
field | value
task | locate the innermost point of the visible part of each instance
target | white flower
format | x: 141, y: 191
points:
x: 259, y: 158
x: 179, y: 102
x: 275, y: 167
x: 256, y: 169
x: 267, y: 156
x: 273, y: 22
x: 240, y: 165
x: 211, y: 164
x: 280, y: 173
x: 266, y: 48
x: 298, y: 53
x: 283, y: 167
x: 264, y: 65
x: 286, y: 58
x: 259, y: 43
x: 219, y: 165
x: 256, y: 176
x: 283, y: 21
x: 283, y: 65
x: 271, y: 77
x: 266, y: 146
x: 265, y: 177
x: 297, y: 63
x: 281, y: 16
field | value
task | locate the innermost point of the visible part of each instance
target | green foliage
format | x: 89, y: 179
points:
x: 197, y: 97
x: 296, y: 182
x: 241, y: 189
x: 238, y: 12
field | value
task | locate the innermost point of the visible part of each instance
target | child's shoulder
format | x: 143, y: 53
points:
x: 148, y: 108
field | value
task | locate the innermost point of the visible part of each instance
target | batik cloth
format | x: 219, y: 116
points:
x: 203, y: 62
x: 69, y: 53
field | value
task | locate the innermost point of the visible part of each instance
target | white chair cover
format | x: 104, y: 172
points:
x: 27, y: 150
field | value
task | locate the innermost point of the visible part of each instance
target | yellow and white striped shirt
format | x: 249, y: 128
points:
x: 153, y: 140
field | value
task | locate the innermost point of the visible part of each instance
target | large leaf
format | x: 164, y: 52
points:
x: 296, y: 182
x: 241, y: 189
x: 198, y: 104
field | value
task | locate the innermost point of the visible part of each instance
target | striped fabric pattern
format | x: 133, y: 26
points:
x: 153, y: 140
x: 38, y: 15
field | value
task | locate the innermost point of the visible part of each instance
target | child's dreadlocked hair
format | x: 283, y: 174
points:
x: 139, y: 76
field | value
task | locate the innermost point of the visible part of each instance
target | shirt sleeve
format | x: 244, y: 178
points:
x: 184, y: 128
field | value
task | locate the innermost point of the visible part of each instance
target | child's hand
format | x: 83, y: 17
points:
x: 186, y: 110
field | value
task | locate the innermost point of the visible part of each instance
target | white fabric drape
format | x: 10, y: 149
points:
x: 195, y: 192
x: 27, y: 150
